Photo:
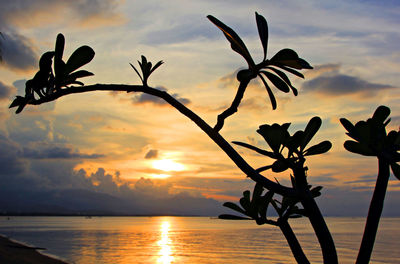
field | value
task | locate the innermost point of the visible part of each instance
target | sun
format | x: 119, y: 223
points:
x: 168, y: 165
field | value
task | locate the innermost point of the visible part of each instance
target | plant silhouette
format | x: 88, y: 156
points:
x: 285, y: 59
x: 56, y: 78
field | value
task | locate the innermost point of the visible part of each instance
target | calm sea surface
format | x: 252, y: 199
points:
x: 190, y: 239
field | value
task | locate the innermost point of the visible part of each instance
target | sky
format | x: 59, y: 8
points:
x: 99, y: 150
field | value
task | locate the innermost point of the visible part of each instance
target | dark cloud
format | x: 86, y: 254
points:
x: 151, y: 154
x: 25, y: 13
x: 146, y: 98
x: 341, y: 84
x: 57, y: 153
x: 18, y: 52
x: 5, y: 91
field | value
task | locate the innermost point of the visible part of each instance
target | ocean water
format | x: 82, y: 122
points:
x: 165, y: 240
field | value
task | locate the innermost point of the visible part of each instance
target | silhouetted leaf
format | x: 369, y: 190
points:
x: 316, y: 191
x: 279, y: 166
x: 58, y: 54
x: 294, y: 72
x: 232, y: 217
x: 257, y: 192
x: 281, y: 85
x: 158, y: 64
x: 285, y: 78
x: 80, y: 74
x: 381, y: 113
x: 275, y: 135
x: 245, y: 203
x: 395, y: 169
x: 258, y: 150
x: 289, y: 57
x: 236, y: 42
x: 318, y: 149
x: 294, y: 142
x: 140, y: 76
x: 79, y: 57
x: 234, y: 207
x: 347, y: 125
x: 358, y: 148
x: 270, y: 94
x: 309, y: 132
x: 262, y: 27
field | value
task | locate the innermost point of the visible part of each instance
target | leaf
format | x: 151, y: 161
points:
x: 79, y: 57
x: 285, y: 78
x: 381, y: 113
x: 232, y: 217
x: 281, y: 85
x: 294, y: 142
x: 258, y: 150
x: 289, y: 57
x: 158, y: 64
x: 270, y: 94
x: 395, y: 169
x: 262, y: 27
x: 80, y: 74
x: 316, y: 191
x: 140, y: 76
x: 234, y: 207
x: 279, y: 166
x: 265, y: 201
x: 274, y: 135
x: 294, y: 72
x: 358, y: 148
x: 309, y: 132
x: 347, y: 125
x: 320, y: 148
x: 236, y: 42
x: 257, y: 192
x: 58, y: 54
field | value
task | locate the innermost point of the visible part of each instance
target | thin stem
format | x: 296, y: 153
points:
x: 213, y: 134
x: 374, y: 213
x: 234, y: 106
x: 294, y: 244
x: 316, y: 219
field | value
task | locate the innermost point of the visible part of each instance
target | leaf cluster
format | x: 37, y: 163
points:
x: 256, y: 207
x: 371, y: 139
x: 46, y: 81
x: 146, y: 68
x: 285, y: 59
x: 288, y: 150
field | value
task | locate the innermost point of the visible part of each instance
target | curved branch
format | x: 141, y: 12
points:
x: 234, y: 106
x: 214, y: 135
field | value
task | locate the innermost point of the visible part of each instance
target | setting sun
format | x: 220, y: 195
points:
x: 168, y: 165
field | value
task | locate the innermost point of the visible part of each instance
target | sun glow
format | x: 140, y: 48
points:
x: 168, y: 165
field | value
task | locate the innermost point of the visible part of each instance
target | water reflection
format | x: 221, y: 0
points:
x: 165, y: 244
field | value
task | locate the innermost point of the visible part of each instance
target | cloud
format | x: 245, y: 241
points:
x: 5, y: 91
x: 146, y: 98
x: 151, y: 154
x: 328, y: 81
x: 57, y: 153
x: 18, y: 52
x: 82, y: 13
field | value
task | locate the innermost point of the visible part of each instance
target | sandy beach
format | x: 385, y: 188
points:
x: 15, y: 253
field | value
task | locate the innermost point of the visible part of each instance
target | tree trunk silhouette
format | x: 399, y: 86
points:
x: 374, y: 213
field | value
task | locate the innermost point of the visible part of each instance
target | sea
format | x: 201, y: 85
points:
x: 168, y: 239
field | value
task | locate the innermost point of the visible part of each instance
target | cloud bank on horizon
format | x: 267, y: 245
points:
x: 106, y: 142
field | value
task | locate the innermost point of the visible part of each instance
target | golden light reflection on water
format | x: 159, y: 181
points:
x: 165, y: 244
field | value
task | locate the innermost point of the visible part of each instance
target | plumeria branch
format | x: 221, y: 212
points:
x: 214, y: 135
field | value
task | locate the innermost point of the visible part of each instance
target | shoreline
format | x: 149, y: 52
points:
x: 12, y: 252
